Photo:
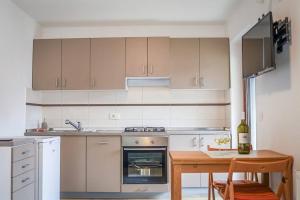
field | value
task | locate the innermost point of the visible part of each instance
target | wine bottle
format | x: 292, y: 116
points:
x: 243, y: 137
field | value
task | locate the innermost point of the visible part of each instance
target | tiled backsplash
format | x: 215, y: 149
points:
x: 99, y: 116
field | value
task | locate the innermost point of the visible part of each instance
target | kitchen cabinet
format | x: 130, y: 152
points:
x: 136, y: 57
x: 186, y: 142
x: 159, y: 57
x: 73, y: 164
x: 185, y: 60
x: 147, y: 57
x: 214, y: 63
x: 76, y: 64
x: 103, y: 164
x: 108, y: 63
x: 46, y: 67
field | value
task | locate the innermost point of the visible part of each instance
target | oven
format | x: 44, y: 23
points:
x: 145, y: 160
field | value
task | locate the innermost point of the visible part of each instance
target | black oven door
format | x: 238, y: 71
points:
x: 145, y: 165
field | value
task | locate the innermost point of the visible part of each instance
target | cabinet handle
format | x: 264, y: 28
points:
x: 194, y: 141
x: 65, y: 83
x: 57, y: 82
x: 25, y: 179
x: 102, y: 143
x: 24, y: 166
x: 25, y: 152
x: 196, y: 80
x: 151, y: 69
x: 201, y: 80
x: 93, y: 83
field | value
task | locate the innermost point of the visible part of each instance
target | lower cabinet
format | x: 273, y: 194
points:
x: 103, y: 164
x: 198, y: 142
x: 73, y: 164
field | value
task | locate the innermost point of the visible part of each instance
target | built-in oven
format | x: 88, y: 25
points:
x: 145, y: 160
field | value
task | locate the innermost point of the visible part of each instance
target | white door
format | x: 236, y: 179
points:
x: 49, y: 170
x: 186, y: 143
x: 212, y: 140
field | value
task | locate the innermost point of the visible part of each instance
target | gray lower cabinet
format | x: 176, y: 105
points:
x: 73, y: 164
x: 90, y: 164
x: 103, y: 164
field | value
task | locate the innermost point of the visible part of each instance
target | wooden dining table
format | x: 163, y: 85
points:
x: 216, y: 162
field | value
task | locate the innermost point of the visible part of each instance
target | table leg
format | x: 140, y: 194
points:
x: 265, y: 178
x: 176, y: 182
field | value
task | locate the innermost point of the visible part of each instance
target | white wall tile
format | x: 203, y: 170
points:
x: 34, y: 117
x: 156, y: 112
x: 33, y: 96
x: 128, y: 122
x: 52, y: 97
x: 130, y: 112
x: 102, y: 97
x: 75, y: 97
x: 101, y: 112
x: 94, y: 123
x: 156, y: 95
x: 197, y: 112
x: 133, y: 95
x: 156, y: 122
x: 75, y: 113
x: 197, y: 123
x: 197, y: 96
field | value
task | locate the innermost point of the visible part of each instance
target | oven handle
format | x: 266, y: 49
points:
x: 147, y: 149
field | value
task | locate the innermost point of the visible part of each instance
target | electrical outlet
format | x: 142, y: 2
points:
x: 114, y: 116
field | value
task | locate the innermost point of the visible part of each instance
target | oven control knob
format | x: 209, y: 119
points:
x: 152, y: 142
x: 136, y: 142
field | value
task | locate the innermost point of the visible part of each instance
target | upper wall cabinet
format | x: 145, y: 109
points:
x: 136, y: 57
x: 158, y: 57
x: 200, y: 63
x: 76, y: 64
x: 108, y: 63
x: 185, y: 60
x: 147, y: 57
x: 214, y: 63
x: 46, y: 68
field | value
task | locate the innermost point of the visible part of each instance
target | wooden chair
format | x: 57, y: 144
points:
x: 257, y: 191
x: 221, y: 185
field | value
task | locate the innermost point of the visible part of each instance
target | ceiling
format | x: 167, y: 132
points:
x: 81, y: 12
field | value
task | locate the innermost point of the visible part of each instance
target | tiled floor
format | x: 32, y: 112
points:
x: 188, y: 194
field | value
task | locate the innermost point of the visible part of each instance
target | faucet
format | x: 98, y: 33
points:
x: 77, y: 127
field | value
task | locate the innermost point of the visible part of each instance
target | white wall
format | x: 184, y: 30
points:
x: 277, y: 92
x: 132, y: 31
x: 16, y: 34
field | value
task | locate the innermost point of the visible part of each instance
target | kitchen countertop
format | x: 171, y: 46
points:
x: 120, y: 132
x: 12, y: 142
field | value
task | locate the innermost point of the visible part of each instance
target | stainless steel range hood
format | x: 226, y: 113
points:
x: 147, y: 81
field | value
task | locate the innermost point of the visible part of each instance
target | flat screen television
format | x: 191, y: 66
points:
x: 258, y: 48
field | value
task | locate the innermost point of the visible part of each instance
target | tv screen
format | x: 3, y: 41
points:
x: 258, y: 48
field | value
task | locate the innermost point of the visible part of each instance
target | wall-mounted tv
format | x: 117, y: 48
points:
x: 259, y: 48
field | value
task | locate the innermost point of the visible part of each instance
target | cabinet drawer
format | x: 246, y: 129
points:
x: 23, y: 180
x: 24, y: 151
x: 23, y: 166
x: 25, y: 193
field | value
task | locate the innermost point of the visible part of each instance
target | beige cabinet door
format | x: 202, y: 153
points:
x: 136, y: 57
x: 46, y: 67
x: 73, y: 164
x: 185, y: 63
x: 103, y: 164
x: 108, y: 63
x: 214, y: 63
x: 75, y: 64
x: 159, y: 57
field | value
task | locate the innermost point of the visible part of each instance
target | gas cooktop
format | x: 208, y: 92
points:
x: 144, y: 129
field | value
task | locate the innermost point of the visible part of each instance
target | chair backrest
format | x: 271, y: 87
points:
x: 260, y: 167
x: 239, y: 165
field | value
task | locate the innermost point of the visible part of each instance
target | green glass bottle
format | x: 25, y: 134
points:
x: 243, y: 137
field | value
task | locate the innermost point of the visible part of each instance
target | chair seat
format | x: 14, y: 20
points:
x: 253, y: 192
x: 221, y: 185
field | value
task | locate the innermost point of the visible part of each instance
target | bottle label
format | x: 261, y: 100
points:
x: 243, y: 138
